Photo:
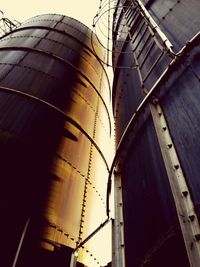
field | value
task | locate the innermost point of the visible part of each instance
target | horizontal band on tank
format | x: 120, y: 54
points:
x: 55, y: 78
x: 87, y: 61
x: 68, y: 237
x: 99, y: 195
x: 67, y: 34
x: 180, y: 57
x: 57, y: 244
x: 66, y: 63
x: 80, y: 245
x: 60, y: 112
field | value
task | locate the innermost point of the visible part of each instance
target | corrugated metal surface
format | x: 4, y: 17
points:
x: 140, y: 57
x: 54, y: 137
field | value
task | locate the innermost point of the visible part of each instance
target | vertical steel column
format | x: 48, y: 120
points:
x: 108, y: 39
x: 184, y: 205
x: 21, y: 242
x: 73, y: 260
x: 118, y: 225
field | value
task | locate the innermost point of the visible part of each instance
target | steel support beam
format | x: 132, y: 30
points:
x: 183, y: 201
x: 73, y: 260
x: 118, y: 255
x: 21, y: 242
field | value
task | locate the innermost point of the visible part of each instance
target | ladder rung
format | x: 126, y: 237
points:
x: 141, y: 38
x: 136, y: 17
x: 144, y: 45
x: 142, y: 25
x: 147, y: 53
x: 153, y: 66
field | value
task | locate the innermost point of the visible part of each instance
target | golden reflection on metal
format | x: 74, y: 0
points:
x: 76, y: 203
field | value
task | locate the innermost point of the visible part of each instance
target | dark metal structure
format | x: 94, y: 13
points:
x: 54, y: 141
x: 156, y: 109
x: 7, y: 25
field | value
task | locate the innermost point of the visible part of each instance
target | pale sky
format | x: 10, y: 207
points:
x: 82, y: 10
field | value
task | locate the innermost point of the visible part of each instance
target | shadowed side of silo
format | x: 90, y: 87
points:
x: 54, y: 106
x: 156, y: 110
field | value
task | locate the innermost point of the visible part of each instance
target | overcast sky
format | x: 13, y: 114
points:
x: 83, y: 10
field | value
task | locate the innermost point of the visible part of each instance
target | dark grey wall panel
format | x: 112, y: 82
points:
x: 150, y: 218
x: 181, y: 106
x: 125, y: 98
x: 152, y: 232
x: 178, y: 19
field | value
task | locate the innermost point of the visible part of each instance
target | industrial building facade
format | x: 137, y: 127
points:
x: 55, y: 132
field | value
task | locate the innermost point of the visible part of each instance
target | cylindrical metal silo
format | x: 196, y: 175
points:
x: 54, y: 136
x: 155, y: 99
